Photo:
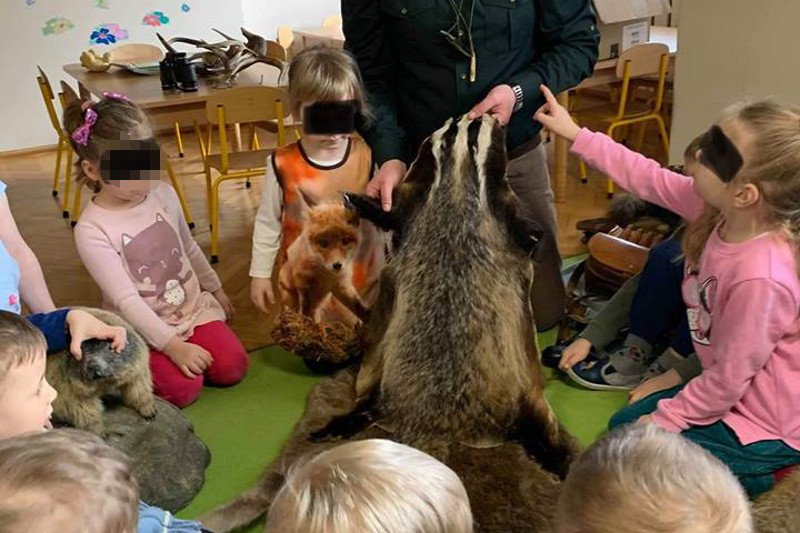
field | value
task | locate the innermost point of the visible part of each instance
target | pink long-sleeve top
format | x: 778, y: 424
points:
x: 743, y: 303
x: 149, y: 267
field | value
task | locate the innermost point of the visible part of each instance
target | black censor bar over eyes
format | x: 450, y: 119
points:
x: 719, y: 154
x: 131, y: 160
x: 330, y: 118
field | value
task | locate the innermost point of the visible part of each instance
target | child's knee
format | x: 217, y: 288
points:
x: 626, y: 415
x: 180, y: 391
x: 229, y: 367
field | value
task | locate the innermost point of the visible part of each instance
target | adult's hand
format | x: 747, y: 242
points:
x: 384, y: 182
x: 499, y: 102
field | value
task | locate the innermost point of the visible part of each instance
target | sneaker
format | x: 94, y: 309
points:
x: 597, y: 374
x: 634, y: 357
x: 663, y: 363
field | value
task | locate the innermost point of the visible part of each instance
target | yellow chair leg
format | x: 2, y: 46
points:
x: 640, y: 131
x: 178, y: 138
x: 209, y: 207
x: 179, y: 191
x: 662, y: 129
x: 67, y: 185
x: 76, y: 206
x: 57, y: 173
x: 215, y: 221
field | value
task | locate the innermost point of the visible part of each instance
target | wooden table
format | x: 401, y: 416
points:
x: 604, y: 73
x: 165, y: 108
x: 305, y: 37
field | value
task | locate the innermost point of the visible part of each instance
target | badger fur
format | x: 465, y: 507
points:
x: 82, y: 384
x: 452, y: 353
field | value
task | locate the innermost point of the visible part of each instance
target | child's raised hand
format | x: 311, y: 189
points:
x: 574, y: 354
x: 262, y: 293
x: 555, y: 117
x: 225, y: 302
x: 83, y: 326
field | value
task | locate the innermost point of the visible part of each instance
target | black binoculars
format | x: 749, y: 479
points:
x: 177, y: 73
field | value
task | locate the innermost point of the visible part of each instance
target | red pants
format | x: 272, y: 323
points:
x: 229, y: 365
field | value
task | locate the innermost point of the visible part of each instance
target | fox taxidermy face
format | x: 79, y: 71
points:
x: 332, y: 231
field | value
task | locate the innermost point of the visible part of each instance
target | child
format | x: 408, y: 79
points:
x: 301, y: 212
x: 65, y: 481
x: 371, y: 486
x: 139, y: 250
x: 741, y: 287
x: 22, y: 280
x: 651, y: 304
x: 25, y: 407
x: 642, y: 478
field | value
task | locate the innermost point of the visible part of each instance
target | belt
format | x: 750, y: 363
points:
x: 525, y: 147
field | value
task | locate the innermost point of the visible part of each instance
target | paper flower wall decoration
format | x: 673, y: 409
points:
x: 57, y: 25
x: 155, y: 18
x: 108, y: 34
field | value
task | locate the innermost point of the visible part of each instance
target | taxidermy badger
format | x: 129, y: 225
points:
x: 451, y: 342
x: 101, y: 371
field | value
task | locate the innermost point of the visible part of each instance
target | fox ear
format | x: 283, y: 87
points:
x: 306, y: 200
x: 370, y: 209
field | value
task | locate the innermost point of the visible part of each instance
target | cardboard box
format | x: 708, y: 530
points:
x: 624, y: 23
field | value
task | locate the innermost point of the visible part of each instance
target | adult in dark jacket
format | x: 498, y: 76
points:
x: 424, y: 61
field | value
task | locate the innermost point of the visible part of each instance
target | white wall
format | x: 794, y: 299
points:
x: 22, y: 114
x: 264, y: 16
x: 731, y: 50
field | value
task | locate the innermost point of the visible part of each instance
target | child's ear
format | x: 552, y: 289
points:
x: 91, y: 170
x: 748, y: 195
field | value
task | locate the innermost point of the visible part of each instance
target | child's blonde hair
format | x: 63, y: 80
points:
x: 642, y: 478
x: 771, y: 163
x: 65, y: 481
x: 117, y: 117
x: 371, y: 486
x: 322, y: 73
x: 20, y: 343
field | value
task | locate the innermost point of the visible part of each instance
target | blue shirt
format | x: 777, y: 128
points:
x: 9, y: 276
x: 52, y: 325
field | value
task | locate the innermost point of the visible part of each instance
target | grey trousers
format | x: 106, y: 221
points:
x: 529, y: 178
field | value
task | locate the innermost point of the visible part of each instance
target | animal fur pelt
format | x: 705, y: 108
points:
x: 451, y: 362
x: 301, y: 335
x: 509, y: 492
x: 778, y: 511
x: 451, y: 342
x: 82, y: 384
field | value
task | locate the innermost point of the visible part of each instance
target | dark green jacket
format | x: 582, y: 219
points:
x: 416, y: 80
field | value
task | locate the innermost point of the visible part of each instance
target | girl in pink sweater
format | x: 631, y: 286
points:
x: 135, y: 244
x: 741, y: 286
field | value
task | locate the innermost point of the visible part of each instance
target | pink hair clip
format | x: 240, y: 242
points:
x: 81, y: 134
x: 116, y: 96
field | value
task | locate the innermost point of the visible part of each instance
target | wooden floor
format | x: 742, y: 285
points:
x: 29, y: 180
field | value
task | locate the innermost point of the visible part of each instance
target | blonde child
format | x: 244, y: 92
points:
x: 326, y: 95
x: 136, y: 246
x: 371, y: 486
x: 642, y: 479
x: 741, y: 287
x: 25, y: 408
x: 65, y: 481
